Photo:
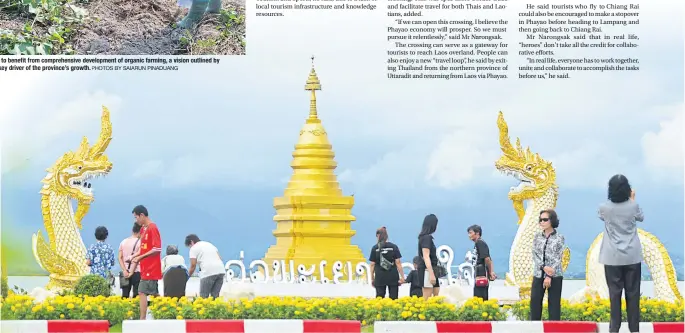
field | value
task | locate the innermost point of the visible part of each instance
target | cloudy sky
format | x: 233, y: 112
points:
x: 424, y: 144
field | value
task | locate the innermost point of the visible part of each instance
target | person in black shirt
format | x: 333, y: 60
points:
x: 415, y: 285
x: 427, y: 251
x: 482, y: 263
x: 386, y: 266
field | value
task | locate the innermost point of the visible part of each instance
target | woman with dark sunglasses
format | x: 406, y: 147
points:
x: 548, y: 250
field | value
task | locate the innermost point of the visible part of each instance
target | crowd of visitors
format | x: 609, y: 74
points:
x: 620, y: 253
x: 139, y: 257
x: 142, y: 267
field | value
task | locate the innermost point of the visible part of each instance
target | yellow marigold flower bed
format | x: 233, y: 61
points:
x: 115, y: 309
x: 363, y: 309
x: 596, y: 309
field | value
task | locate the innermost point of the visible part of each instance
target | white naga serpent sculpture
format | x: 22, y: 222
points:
x: 538, y: 184
x: 655, y: 256
x: 68, y: 179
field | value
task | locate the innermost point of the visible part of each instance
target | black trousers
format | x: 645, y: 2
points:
x: 537, y: 293
x: 134, y: 280
x: 482, y: 292
x: 628, y: 278
x: 393, y: 291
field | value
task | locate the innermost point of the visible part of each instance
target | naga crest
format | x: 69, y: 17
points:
x: 535, y: 175
x: 69, y: 176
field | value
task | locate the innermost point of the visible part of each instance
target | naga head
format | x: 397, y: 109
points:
x: 70, y: 176
x: 535, y: 175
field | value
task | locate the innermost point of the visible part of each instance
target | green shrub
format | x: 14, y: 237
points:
x: 93, y: 285
x: 66, y: 292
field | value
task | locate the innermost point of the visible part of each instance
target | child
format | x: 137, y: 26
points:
x: 413, y: 280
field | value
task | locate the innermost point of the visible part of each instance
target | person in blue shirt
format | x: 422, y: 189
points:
x: 100, y: 256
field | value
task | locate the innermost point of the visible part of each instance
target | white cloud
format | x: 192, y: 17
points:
x: 148, y: 169
x: 589, y: 165
x: 459, y: 159
x: 663, y: 149
x: 583, y: 150
x: 401, y: 169
x: 29, y: 124
x: 566, y: 121
x: 238, y: 123
x: 211, y: 169
x: 79, y: 115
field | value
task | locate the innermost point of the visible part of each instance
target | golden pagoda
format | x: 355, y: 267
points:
x: 313, y: 217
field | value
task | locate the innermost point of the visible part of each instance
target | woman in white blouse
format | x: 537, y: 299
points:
x: 172, y: 259
x: 175, y: 273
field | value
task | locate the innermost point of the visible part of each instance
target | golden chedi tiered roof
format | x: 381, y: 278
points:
x: 313, y: 217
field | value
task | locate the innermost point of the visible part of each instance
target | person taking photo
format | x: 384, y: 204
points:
x: 621, y: 251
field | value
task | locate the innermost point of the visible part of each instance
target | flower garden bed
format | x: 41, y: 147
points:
x: 113, y: 309
x: 116, y: 309
x: 367, y: 311
x: 598, y: 310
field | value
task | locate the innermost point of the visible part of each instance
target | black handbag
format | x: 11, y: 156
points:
x: 440, y: 271
x: 123, y: 280
x: 110, y: 279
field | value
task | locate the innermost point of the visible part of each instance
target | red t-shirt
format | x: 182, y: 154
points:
x: 151, y: 266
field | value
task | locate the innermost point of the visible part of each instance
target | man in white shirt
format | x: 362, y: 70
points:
x: 212, y: 271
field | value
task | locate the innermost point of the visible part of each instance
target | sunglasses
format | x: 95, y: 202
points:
x: 544, y: 219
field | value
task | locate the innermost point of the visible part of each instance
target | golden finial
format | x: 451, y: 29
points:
x: 313, y: 85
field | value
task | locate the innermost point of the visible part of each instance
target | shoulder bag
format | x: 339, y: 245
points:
x: 111, y: 279
x: 482, y: 281
x: 440, y: 271
x: 385, y: 263
x: 123, y: 280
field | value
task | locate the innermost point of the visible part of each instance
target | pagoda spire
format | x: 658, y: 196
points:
x: 313, y: 84
x: 313, y: 217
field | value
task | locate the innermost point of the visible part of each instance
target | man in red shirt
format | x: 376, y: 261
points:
x: 149, y: 257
